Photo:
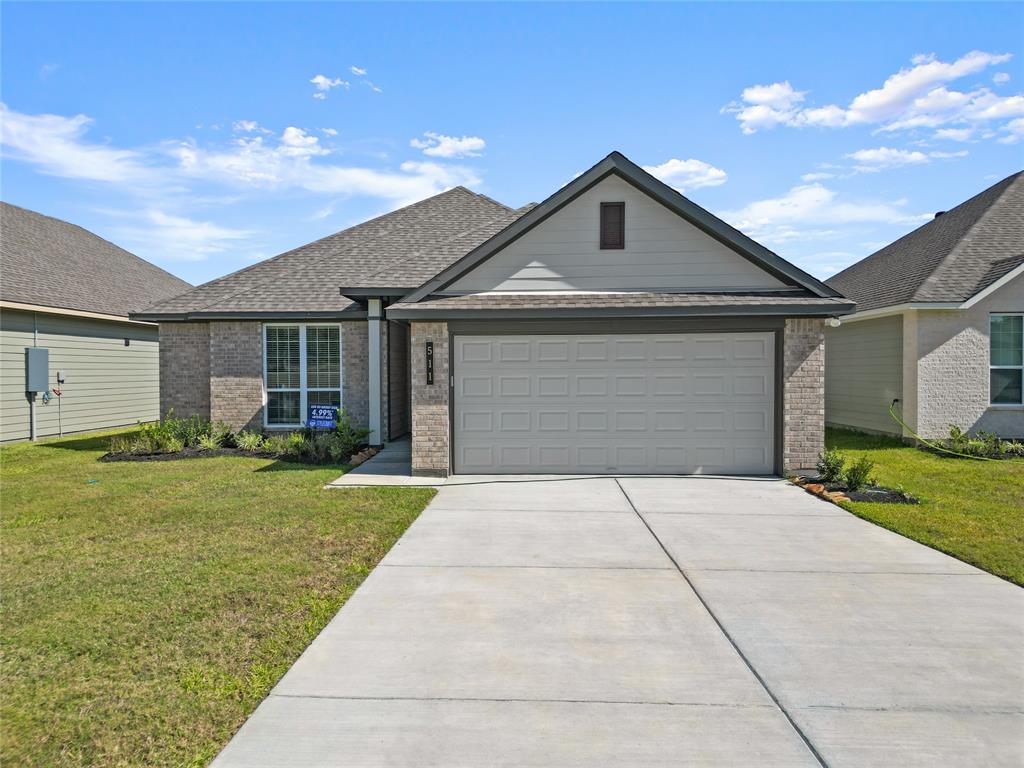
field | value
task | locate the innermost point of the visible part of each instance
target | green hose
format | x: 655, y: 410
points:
x: 933, y: 446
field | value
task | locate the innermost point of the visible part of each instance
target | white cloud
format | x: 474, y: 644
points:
x: 1015, y: 132
x: 374, y: 88
x: 886, y: 157
x: 954, y: 134
x: 178, y: 237
x: 357, y: 71
x: 687, y: 174
x: 1001, y: 78
x: 324, y: 85
x: 882, y: 158
x: 914, y: 97
x: 54, y: 144
x: 813, y: 211
x: 248, y: 126
x: 295, y: 142
x: 329, y: 131
x: 817, y: 176
x: 439, y: 145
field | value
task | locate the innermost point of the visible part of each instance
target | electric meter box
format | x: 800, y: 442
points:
x: 37, y: 369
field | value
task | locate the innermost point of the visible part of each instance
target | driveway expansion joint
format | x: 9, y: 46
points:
x: 810, y: 746
x: 513, y: 700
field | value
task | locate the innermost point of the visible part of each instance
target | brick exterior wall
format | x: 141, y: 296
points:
x: 185, y: 369
x: 429, y: 401
x: 951, y: 349
x: 236, y: 374
x: 803, y: 407
x: 398, y: 380
x: 355, y: 372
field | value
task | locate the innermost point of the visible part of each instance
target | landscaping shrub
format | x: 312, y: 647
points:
x: 858, y: 474
x: 249, y: 441
x: 983, y: 444
x: 830, y: 465
x: 175, y: 435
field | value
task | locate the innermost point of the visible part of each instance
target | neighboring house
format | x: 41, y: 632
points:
x: 938, y: 325
x: 615, y: 327
x: 65, y: 290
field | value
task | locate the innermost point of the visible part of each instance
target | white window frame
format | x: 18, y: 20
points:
x: 303, y: 387
x: 1003, y: 367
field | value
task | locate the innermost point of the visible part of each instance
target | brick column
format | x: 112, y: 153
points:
x: 185, y: 369
x: 355, y: 371
x: 803, y: 409
x: 430, y: 419
x: 236, y: 374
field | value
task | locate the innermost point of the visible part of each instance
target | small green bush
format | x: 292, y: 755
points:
x: 858, y: 474
x: 210, y: 442
x: 249, y: 441
x: 830, y: 465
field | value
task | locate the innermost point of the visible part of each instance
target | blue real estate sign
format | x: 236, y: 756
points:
x: 322, y: 417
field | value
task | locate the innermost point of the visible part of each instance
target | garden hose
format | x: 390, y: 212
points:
x: 933, y: 446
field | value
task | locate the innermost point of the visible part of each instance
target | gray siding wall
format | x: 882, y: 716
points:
x: 663, y: 252
x: 107, y: 384
x: 863, y: 373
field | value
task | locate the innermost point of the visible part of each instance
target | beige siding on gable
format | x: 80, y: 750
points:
x: 107, y: 384
x: 663, y: 252
x: 863, y: 373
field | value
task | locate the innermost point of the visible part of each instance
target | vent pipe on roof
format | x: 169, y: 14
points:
x: 938, y: 213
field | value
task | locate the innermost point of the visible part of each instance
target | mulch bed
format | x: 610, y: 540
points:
x: 190, y: 453
x: 836, y: 492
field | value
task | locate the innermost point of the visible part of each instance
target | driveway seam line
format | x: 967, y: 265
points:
x: 838, y: 573
x: 515, y: 700
x: 810, y: 746
x: 535, y: 567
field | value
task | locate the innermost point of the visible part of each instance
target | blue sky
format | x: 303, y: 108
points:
x: 204, y: 137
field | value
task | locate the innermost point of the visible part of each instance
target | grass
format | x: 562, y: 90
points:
x: 148, y: 607
x: 970, y: 509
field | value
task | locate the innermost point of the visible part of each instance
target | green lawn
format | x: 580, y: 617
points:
x: 147, y: 608
x: 971, y: 509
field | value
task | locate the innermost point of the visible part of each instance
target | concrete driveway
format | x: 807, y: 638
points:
x: 653, y: 621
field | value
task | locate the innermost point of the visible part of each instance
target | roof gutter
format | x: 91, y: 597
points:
x: 184, y: 317
x: 547, y: 313
x: 129, y: 319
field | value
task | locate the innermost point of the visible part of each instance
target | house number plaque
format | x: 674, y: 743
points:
x: 430, y: 362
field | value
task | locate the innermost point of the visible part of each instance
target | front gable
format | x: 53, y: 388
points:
x: 672, y: 246
x: 663, y: 252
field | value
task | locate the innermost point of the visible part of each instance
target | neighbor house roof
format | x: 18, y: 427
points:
x: 388, y: 251
x: 950, y: 259
x: 47, y: 262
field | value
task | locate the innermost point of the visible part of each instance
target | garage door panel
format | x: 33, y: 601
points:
x: 680, y: 403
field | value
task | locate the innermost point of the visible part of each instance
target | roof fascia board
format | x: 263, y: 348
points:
x: 657, y: 190
x: 374, y: 293
x: 181, y: 317
x: 70, y: 312
x: 984, y: 293
x: 899, y: 309
x: 784, y: 310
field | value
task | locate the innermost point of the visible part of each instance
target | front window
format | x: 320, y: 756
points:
x: 1006, y: 358
x: 303, y: 368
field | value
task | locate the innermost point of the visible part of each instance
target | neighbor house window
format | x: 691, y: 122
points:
x: 1006, y: 358
x: 613, y: 225
x: 302, y: 365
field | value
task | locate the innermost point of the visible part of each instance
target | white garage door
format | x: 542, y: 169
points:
x: 653, y: 404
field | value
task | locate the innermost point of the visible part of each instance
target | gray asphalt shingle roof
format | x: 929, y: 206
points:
x: 51, y: 263
x: 949, y: 259
x: 385, y: 251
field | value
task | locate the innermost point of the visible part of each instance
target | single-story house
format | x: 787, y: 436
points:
x: 938, y: 325
x: 66, y: 293
x: 616, y: 327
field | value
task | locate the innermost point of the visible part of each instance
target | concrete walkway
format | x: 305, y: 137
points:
x: 649, y: 622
